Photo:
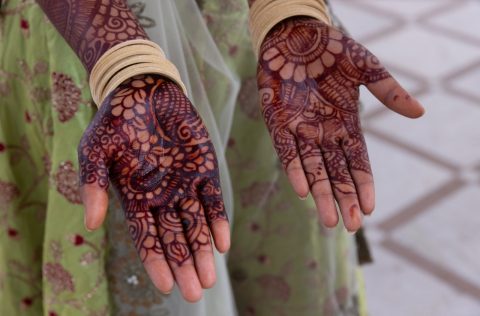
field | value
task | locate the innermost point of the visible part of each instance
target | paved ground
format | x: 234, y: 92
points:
x: 426, y: 230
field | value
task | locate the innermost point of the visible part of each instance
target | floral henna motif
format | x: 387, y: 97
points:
x: 92, y: 27
x: 162, y: 163
x: 308, y: 77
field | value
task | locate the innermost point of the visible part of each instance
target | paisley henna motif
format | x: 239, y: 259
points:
x: 92, y: 27
x: 308, y: 76
x: 152, y: 142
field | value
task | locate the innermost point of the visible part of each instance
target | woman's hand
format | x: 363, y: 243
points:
x: 152, y: 144
x: 309, y: 75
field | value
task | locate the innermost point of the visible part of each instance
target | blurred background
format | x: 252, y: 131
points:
x: 425, y: 232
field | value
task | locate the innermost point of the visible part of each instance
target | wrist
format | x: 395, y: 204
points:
x: 265, y: 14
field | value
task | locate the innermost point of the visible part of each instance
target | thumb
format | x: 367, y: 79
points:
x: 94, y: 184
x: 394, y: 96
x: 95, y: 201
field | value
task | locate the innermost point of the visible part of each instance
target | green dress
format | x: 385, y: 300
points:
x: 282, y: 262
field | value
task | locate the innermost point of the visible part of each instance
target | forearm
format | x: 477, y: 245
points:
x: 91, y: 27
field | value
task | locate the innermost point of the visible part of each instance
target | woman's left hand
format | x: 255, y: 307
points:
x: 309, y: 75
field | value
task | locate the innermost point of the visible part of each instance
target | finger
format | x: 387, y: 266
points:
x: 94, y: 179
x: 198, y: 236
x: 286, y: 147
x: 296, y: 176
x: 370, y: 72
x: 343, y: 187
x: 177, y: 253
x: 143, y: 230
x: 356, y: 154
x: 395, y: 97
x: 308, y: 138
x: 210, y: 194
x: 95, y: 201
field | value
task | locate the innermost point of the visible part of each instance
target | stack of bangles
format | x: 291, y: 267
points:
x: 126, y: 60
x: 265, y: 14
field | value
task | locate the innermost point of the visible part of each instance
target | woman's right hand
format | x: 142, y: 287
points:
x: 148, y: 139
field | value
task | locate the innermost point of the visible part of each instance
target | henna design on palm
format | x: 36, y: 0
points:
x: 309, y: 75
x: 148, y: 138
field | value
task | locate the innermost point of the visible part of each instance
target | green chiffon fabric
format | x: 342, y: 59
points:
x: 282, y: 262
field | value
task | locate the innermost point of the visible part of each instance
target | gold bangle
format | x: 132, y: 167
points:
x: 265, y: 14
x: 126, y: 60
x: 112, y: 56
x: 167, y: 69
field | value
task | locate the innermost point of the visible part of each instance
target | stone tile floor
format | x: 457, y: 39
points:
x: 425, y: 233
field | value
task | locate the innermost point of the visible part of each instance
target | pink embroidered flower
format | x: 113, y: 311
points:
x: 254, y: 227
x: 28, y: 118
x: 8, y: 192
x: 24, y: 24
x: 12, y: 232
x: 88, y: 257
x: 68, y: 184
x: 78, y: 240
x: 25, y: 27
x: 263, y: 259
x: 60, y: 279
x: 27, y: 302
x: 66, y: 96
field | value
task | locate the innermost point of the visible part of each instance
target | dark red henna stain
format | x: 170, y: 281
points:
x: 162, y: 163
x: 395, y: 98
x: 353, y: 210
x: 91, y: 27
x: 308, y: 76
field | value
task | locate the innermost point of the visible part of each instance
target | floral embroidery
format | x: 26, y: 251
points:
x: 60, y: 279
x: 25, y: 27
x: 8, y: 192
x: 66, y: 179
x: 66, y: 96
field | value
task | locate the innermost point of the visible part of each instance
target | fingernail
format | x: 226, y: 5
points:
x: 303, y: 198
x: 86, y: 227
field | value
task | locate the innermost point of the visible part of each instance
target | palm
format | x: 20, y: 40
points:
x: 153, y: 144
x: 309, y: 75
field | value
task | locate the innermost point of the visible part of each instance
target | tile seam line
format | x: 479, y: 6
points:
x: 439, y: 272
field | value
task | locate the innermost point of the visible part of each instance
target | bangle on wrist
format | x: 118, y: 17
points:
x: 265, y: 14
x: 126, y: 60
